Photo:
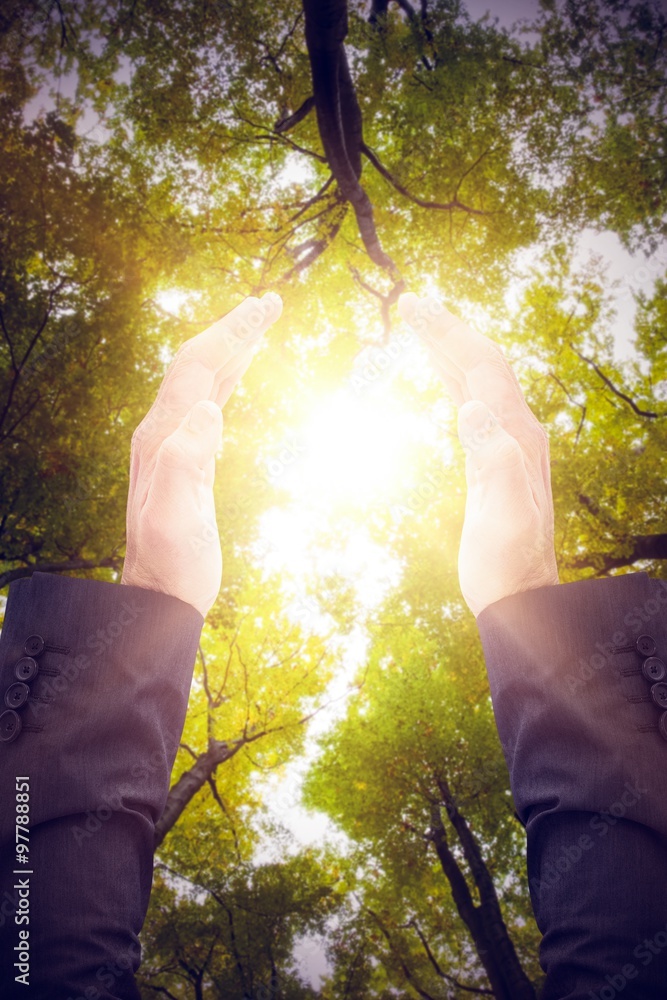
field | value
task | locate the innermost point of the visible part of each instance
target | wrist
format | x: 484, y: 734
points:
x: 493, y: 587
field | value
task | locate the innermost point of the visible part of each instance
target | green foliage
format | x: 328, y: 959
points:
x: 234, y: 933
x: 165, y: 169
x: 422, y: 718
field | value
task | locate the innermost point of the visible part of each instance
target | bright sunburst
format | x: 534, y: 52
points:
x: 351, y: 449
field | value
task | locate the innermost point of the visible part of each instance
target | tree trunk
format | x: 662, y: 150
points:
x: 469, y: 913
x: 339, y: 117
x: 515, y: 983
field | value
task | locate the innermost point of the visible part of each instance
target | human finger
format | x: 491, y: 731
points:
x: 480, y: 370
x: 185, y: 458
x: 492, y: 455
x: 224, y: 385
x: 211, y: 357
x: 459, y: 349
x: 456, y: 389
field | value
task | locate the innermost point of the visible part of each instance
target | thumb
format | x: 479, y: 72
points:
x: 492, y: 455
x: 192, y: 446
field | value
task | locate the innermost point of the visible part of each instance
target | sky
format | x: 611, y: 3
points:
x: 506, y: 12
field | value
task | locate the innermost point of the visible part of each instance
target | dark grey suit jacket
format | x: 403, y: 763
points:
x: 99, y: 734
x: 578, y: 712
x: 581, y: 716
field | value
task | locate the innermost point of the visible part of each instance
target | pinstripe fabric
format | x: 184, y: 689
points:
x: 107, y: 720
x: 588, y: 773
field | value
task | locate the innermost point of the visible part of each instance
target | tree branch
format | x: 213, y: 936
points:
x: 617, y: 392
x: 406, y: 970
x: 643, y: 547
x: 516, y: 984
x: 317, y: 248
x: 379, y: 9
x: 285, y: 124
x: 582, y: 406
x: 159, y: 989
x: 436, y: 965
x: 386, y: 301
x: 339, y: 115
x: 440, y: 206
x: 111, y: 562
x: 216, y: 795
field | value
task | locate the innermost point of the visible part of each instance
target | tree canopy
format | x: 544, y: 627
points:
x: 160, y: 160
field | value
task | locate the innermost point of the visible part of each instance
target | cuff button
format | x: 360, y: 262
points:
x: 34, y: 645
x: 659, y: 694
x: 645, y: 645
x: 654, y: 669
x: 25, y: 669
x: 10, y: 726
x: 16, y: 695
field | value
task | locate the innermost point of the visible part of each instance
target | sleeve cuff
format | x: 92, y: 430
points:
x: 576, y: 716
x: 107, y: 703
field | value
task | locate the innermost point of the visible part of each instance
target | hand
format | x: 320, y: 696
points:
x: 507, y: 542
x: 172, y: 537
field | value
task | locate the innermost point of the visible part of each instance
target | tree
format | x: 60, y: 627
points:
x: 201, y: 150
x: 414, y: 775
x: 260, y: 681
x: 482, y: 145
x: 70, y: 278
x: 238, y: 939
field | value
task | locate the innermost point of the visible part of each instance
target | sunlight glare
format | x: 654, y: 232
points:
x: 172, y: 300
x: 352, y: 450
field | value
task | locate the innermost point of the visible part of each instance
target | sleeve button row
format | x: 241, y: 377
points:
x: 17, y: 694
x: 654, y: 670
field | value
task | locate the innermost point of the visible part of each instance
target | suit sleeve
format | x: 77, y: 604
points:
x: 576, y: 680
x: 95, y: 680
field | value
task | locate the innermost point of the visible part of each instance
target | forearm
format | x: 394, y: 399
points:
x: 580, y: 734
x: 98, y: 738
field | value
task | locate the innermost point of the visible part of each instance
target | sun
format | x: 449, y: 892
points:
x: 349, y: 450
x: 350, y: 458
